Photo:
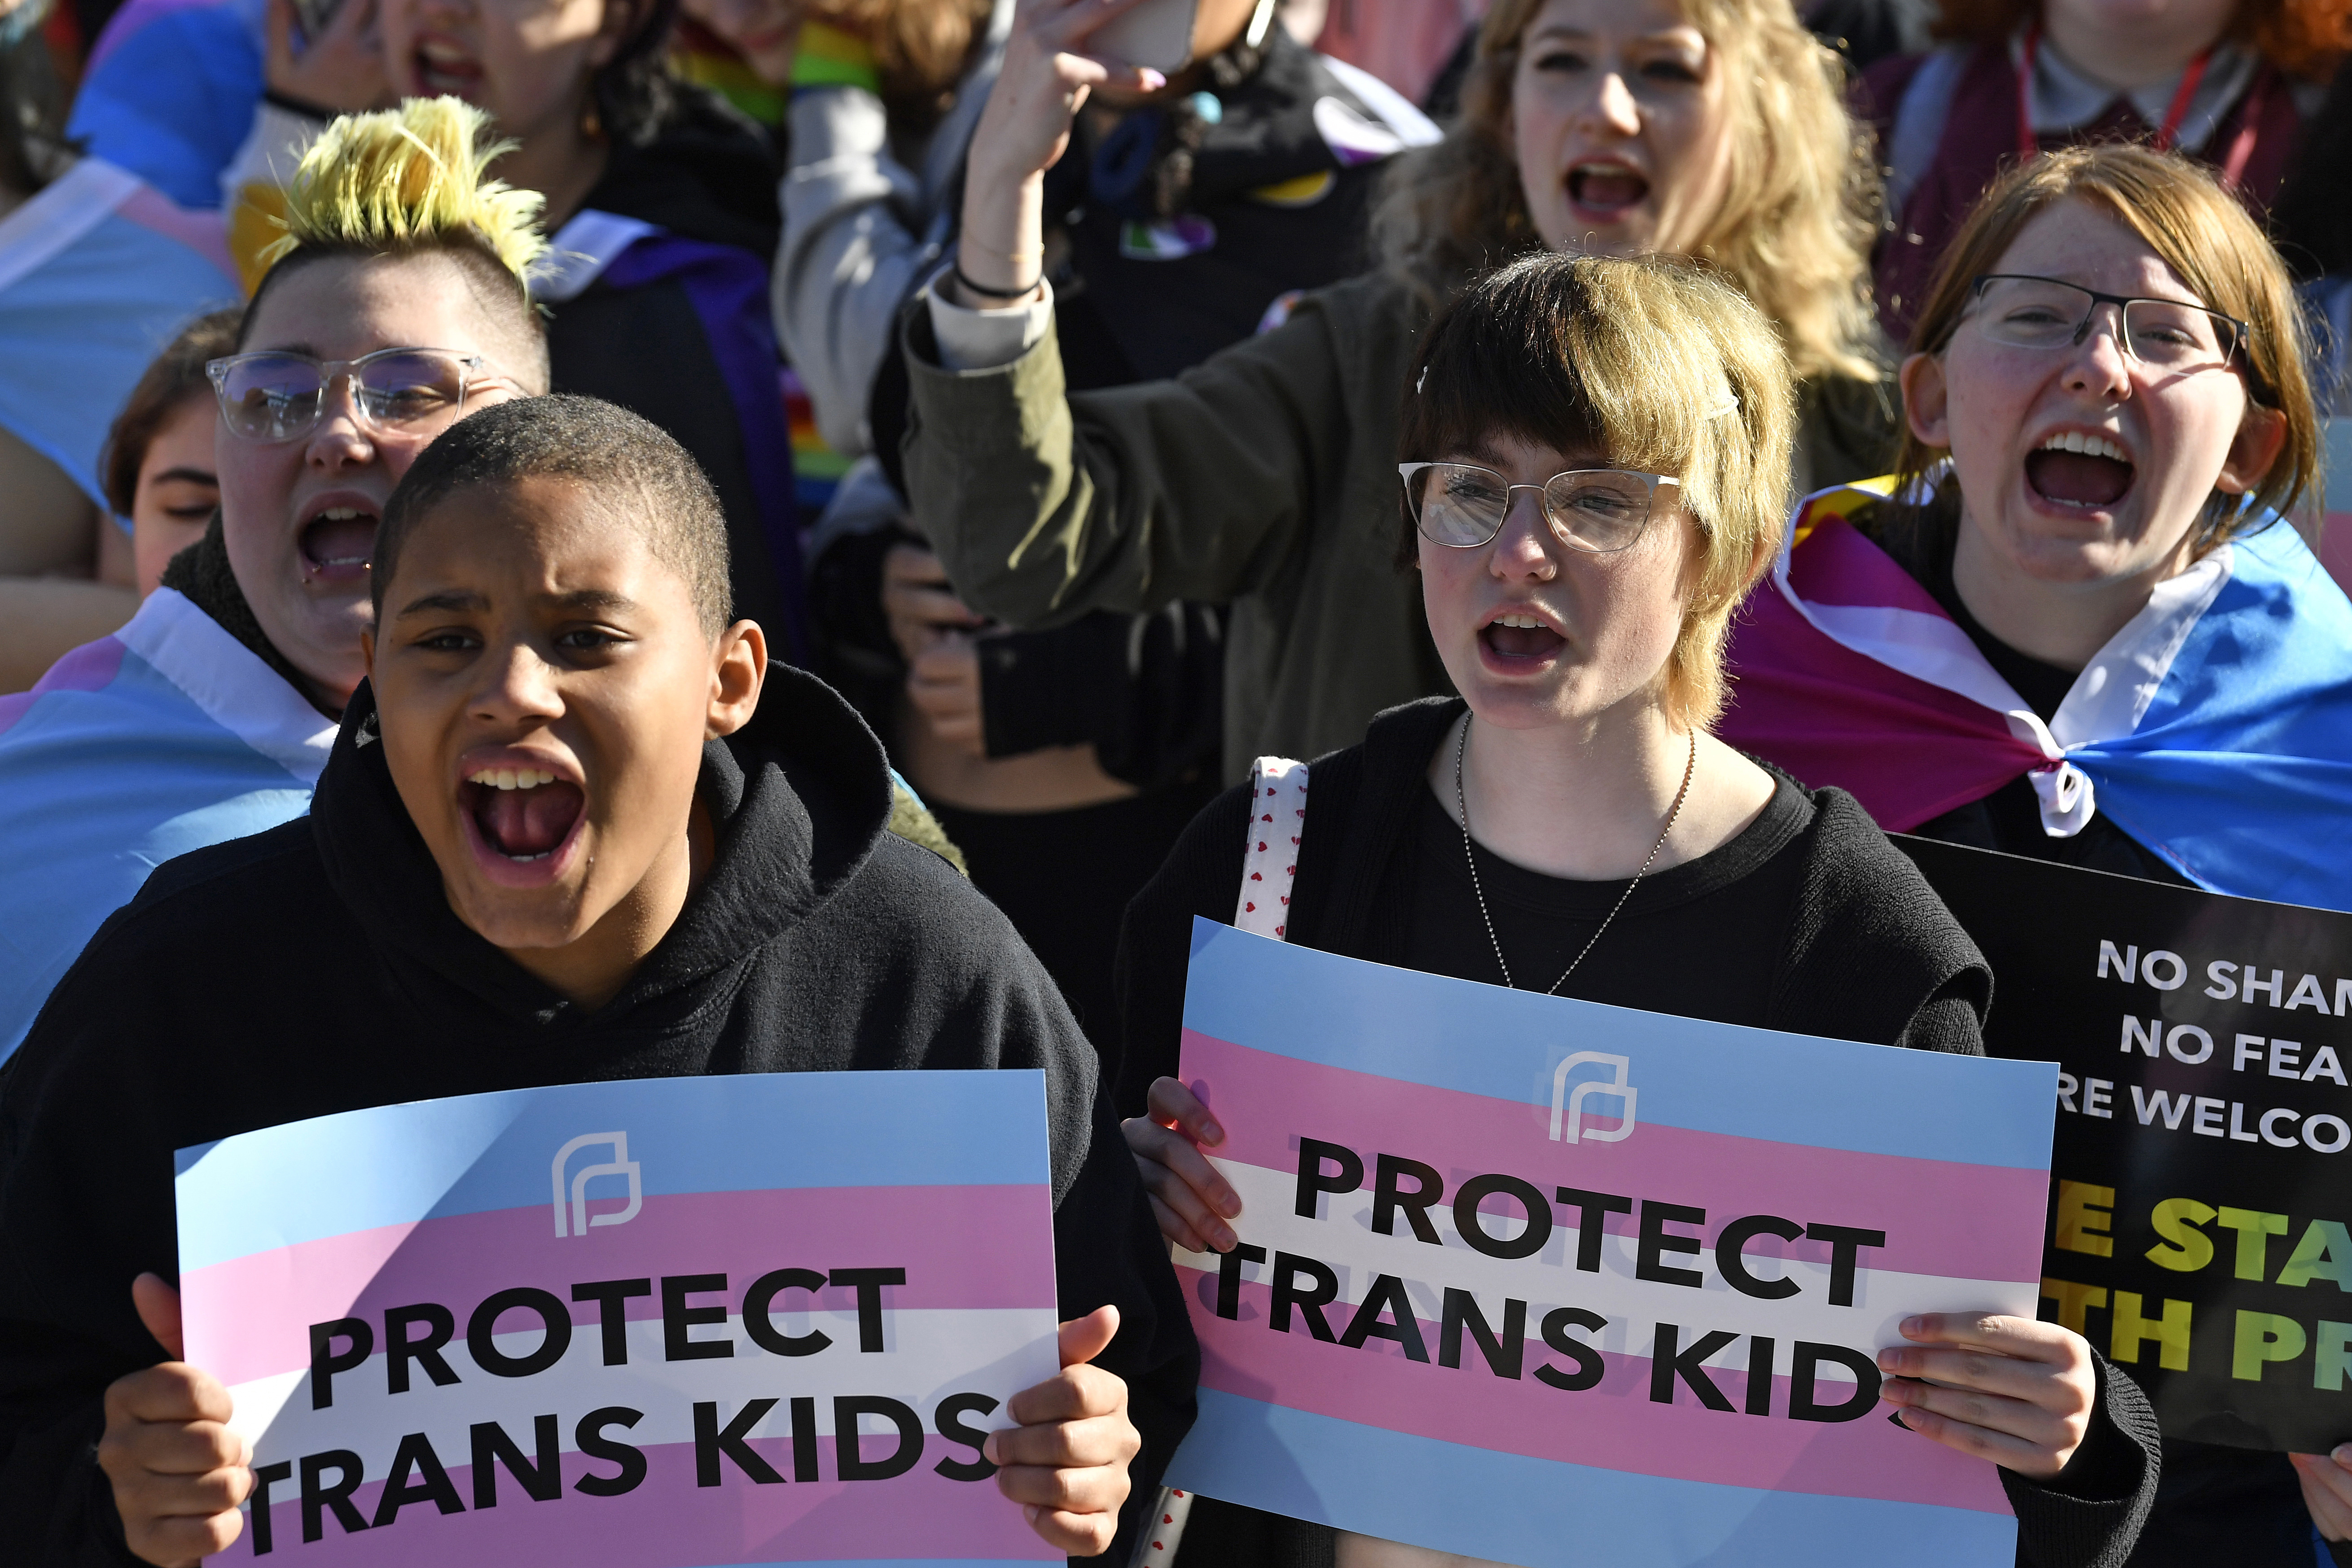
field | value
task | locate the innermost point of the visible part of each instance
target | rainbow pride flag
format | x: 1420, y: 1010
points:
x: 665, y: 1322
x: 1549, y: 1282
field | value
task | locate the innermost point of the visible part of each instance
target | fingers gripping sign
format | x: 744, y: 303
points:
x: 1067, y: 1461
x: 2011, y: 1390
x: 1189, y: 1198
x: 177, y: 1471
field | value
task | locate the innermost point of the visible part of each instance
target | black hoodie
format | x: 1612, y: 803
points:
x: 318, y: 968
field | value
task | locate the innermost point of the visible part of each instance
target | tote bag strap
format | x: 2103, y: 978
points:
x: 1270, y: 860
x: 1269, y: 869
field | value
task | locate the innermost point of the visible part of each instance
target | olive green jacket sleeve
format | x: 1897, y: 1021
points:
x: 1044, y: 505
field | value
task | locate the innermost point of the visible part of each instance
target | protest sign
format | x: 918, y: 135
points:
x: 1551, y: 1282
x: 663, y: 1322
x: 2197, y: 1232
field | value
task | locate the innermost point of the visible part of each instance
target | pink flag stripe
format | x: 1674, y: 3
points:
x: 1825, y: 713
x: 962, y: 1246
x: 86, y: 669
x: 1380, y: 1385
x: 667, y: 1522
x: 1464, y: 1134
x: 1836, y: 565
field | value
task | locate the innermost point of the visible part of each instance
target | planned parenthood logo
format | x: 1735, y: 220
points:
x: 620, y: 1164
x: 1568, y: 1100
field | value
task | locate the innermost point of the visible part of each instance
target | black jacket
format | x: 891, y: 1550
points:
x: 1867, y: 952
x: 318, y: 968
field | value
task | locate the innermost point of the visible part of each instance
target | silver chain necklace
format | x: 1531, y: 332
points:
x: 1462, y: 804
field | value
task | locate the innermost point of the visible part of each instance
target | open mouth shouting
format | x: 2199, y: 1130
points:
x: 1605, y: 190
x: 337, y: 543
x: 2079, y: 470
x: 442, y: 65
x: 1518, y: 643
x: 522, y: 817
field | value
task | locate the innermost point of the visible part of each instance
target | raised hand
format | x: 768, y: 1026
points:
x: 341, y: 70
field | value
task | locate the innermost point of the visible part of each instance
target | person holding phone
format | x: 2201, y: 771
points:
x: 1605, y: 126
x: 1597, y: 474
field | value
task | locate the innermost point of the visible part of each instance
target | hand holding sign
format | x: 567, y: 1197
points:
x: 1067, y: 1462
x: 2011, y: 1390
x: 179, y: 1473
x: 1189, y: 1199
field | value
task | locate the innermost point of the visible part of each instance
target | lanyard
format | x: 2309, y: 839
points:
x: 2029, y: 145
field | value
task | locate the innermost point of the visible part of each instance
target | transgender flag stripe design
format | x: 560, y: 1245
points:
x: 427, y: 1279
x: 1305, y: 1418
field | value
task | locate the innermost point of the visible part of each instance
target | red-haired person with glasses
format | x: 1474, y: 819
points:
x: 398, y: 306
x: 2076, y: 626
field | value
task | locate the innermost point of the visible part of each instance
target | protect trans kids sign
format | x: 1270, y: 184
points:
x: 1549, y: 1282
x: 667, y: 1323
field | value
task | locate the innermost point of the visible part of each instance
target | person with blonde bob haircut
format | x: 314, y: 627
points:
x: 2108, y: 422
x: 1709, y: 130
x: 1595, y: 476
x: 394, y: 303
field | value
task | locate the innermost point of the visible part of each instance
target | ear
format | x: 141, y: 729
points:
x: 620, y: 20
x: 367, y: 653
x: 2261, y: 436
x: 738, y: 668
x: 1926, y: 400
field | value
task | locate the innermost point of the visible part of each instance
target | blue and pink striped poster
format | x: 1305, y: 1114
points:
x: 1547, y: 1282
x: 667, y: 1323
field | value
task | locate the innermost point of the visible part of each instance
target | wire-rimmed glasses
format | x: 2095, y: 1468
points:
x: 278, y: 396
x: 2025, y: 311
x: 1598, y: 510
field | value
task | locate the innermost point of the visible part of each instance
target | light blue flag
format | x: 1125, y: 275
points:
x: 165, y: 737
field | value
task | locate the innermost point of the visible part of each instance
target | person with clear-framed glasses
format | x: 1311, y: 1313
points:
x: 1595, y: 476
x: 209, y: 716
x: 2078, y: 623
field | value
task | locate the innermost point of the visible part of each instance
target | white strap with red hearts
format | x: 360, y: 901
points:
x: 1269, y: 868
x: 1270, y: 861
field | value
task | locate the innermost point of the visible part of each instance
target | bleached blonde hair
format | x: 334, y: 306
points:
x: 1798, y: 215
x: 413, y: 180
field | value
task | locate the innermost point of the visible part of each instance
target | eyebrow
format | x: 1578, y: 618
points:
x: 1659, y: 35
x: 459, y: 601
x: 192, y: 476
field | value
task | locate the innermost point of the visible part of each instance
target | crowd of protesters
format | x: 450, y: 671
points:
x: 625, y: 538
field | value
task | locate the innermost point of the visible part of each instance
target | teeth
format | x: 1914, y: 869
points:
x: 339, y: 514
x: 512, y: 778
x: 1524, y: 623
x: 2089, y: 445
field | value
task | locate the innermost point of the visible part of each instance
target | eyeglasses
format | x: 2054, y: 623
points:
x: 1597, y: 510
x: 280, y: 397
x: 2174, y: 335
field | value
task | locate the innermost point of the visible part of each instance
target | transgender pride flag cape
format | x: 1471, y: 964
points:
x: 2215, y: 728
x: 164, y: 738
x: 98, y: 272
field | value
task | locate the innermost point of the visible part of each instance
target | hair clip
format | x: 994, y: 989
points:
x: 1422, y: 381
x: 1730, y: 405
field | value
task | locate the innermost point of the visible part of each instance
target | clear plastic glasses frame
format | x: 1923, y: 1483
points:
x: 278, y: 396
x: 2021, y: 311
x: 1597, y: 510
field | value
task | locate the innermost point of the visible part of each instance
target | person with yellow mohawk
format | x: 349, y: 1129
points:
x: 394, y: 302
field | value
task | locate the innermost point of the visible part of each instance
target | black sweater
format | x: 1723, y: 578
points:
x: 1866, y: 952
x: 318, y: 968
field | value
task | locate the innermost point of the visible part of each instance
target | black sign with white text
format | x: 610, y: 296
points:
x: 2201, y: 1178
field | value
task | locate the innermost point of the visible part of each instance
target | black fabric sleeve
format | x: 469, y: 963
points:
x: 1147, y: 691
x: 1201, y: 875
x: 1947, y: 1022
x: 2340, y: 1553
x: 85, y: 1207
x: 2089, y: 1514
